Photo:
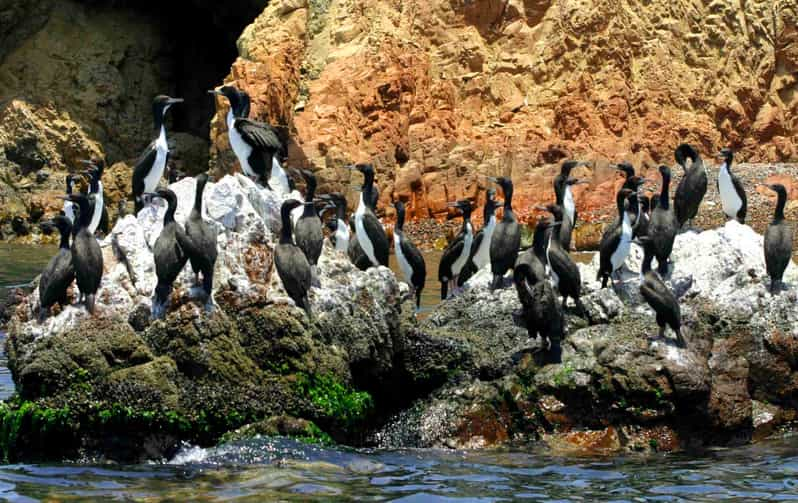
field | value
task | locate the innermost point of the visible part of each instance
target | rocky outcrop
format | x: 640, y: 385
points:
x: 440, y: 94
x: 619, y: 386
x: 197, y: 374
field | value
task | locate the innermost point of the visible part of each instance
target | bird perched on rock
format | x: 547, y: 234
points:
x: 338, y: 225
x: 290, y: 261
x: 778, y: 239
x: 457, y: 252
x: 59, y: 273
x: 565, y: 276
x: 506, y: 239
x: 200, y: 246
x: 169, y: 255
x: 410, y: 260
x: 150, y: 167
x: 732, y: 193
x: 658, y: 295
x: 616, y: 242
x: 308, y: 233
x: 691, y: 189
x: 87, y: 258
x: 257, y: 145
x: 663, y: 226
x: 371, y: 237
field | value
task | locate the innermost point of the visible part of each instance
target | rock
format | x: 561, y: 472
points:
x: 619, y: 386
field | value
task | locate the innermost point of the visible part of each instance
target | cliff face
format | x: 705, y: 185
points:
x: 440, y: 93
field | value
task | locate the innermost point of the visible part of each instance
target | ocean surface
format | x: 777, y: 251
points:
x: 269, y: 469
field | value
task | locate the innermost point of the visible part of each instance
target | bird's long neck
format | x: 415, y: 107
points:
x: 198, y: 196
x: 65, y: 232
x: 400, y: 220
x: 69, y: 187
x: 778, y: 216
x: 508, y: 204
x: 467, y: 221
x: 340, y: 210
x: 171, y: 208
x: 310, y: 209
x: 85, y: 214
x: 559, y: 189
x: 664, y: 196
x: 285, y: 231
x: 158, y: 116
x: 539, y: 240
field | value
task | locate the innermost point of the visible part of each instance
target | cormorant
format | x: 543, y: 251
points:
x: 99, y: 213
x: 87, y: 258
x: 732, y: 193
x: 410, y: 260
x: 457, y: 252
x: 565, y: 275
x: 151, y: 164
x: 658, y: 295
x: 565, y: 198
x: 339, y: 226
x: 778, y: 239
x: 290, y: 261
x: 308, y: 233
x: 663, y: 226
x: 692, y: 187
x: 371, y: 235
x: 616, y: 242
x: 539, y: 306
x: 481, y: 249
x: 506, y: 237
x: 59, y: 273
x: 257, y: 145
x: 69, y: 206
x: 169, y: 255
x: 641, y: 227
x: 201, y: 245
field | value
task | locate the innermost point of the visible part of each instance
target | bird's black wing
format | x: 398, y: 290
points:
x: 778, y: 249
x: 450, y: 254
x: 259, y: 135
x: 609, y: 242
x: 56, y: 278
x: 379, y: 240
x: 142, y: 167
x: 738, y: 186
x: 416, y: 260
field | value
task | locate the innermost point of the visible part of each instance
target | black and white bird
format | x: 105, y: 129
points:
x: 290, y: 261
x: 59, y: 273
x: 564, y: 197
x: 616, y: 242
x: 641, y: 227
x: 257, y: 145
x: 99, y: 213
x: 150, y: 167
x: 658, y: 295
x: 87, y: 258
x: 339, y: 226
x: 308, y: 232
x: 506, y: 240
x: 481, y: 249
x: 565, y: 276
x: 371, y: 235
x: 409, y: 258
x: 692, y: 187
x: 457, y: 252
x: 170, y: 257
x: 778, y: 239
x: 200, y: 246
x: 732, y: 193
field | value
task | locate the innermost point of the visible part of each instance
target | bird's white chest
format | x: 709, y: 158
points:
x: 98, y: 209
x: 278, y: 178
x: 468, y: 240
x: 732, y: 202
x: 482, y: 256
x: 69, y: 211
x: 624, y: 245
x: 404, y: 265
x: 362, y: 237
x: 568, y: 203
x: 240, y: 148
x: 156, y: 172
x: 342, y: 236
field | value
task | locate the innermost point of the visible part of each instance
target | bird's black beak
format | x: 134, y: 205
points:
x: 174, y: 101
x: 493, y: 179
x: 151, y: 194
x: 553, y: 225
x: 541, y: 208
x: 216, y: 92
x: 583, y: 163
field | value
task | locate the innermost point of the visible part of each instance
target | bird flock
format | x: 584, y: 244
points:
x: 540, y: 273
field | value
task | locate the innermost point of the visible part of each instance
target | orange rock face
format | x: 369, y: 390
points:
x: 439, y: 94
